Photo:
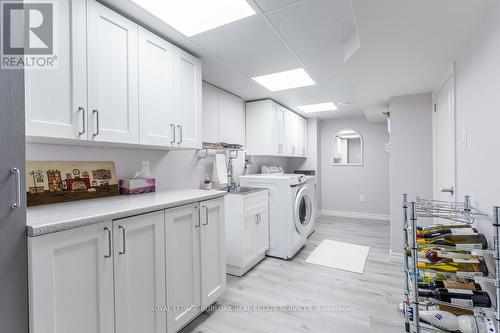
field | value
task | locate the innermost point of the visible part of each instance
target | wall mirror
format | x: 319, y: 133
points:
x: 348, y: 148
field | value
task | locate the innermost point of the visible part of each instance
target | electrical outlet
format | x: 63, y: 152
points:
x: 145, y: 165
x: 362, y: 198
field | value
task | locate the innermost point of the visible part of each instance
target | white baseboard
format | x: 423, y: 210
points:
x: 355, y: 215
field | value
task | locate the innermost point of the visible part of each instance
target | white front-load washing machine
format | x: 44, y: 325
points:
x: 292, y: 210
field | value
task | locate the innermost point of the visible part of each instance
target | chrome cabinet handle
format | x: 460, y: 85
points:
x: 180, y: 134
x: 206, y: 215
x: 123, y: 237
x: 96, y: 112
x: 172, y: 132
x: 109, y: 243
x: 450, y: 190
x: 259, y: 218
x: 198, y: 212
x: 17, y: 174
x: 84, y: 125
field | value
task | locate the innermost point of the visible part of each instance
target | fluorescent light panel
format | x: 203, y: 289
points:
x: 192, y: 17
x: 294, y: 78
x: 330, y: 106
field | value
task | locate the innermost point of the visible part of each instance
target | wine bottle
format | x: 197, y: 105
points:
x: 451, y: 323
x: 449, y: 284
x: 453, y: 231
x: 423, y: 230
x: 463, y: 242
x: 462, y: 269
x: 460, y: 297
x: 434, y: 255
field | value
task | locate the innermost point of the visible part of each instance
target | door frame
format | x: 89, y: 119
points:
x: 449, y: 75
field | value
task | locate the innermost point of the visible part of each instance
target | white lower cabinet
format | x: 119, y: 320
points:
x: 247, y: 230
x: 71, y: 281
x: 139, y: 266
x: 119, y: 276
x: 183, y: 265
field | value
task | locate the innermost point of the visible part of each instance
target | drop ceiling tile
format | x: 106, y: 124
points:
x: 250, y: 46
x: 270, y: 5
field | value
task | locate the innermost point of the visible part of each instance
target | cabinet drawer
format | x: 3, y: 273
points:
x: 253, y: 200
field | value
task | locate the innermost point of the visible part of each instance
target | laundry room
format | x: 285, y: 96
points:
x: 221, y: 166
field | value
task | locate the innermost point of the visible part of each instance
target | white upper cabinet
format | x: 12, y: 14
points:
x: 112, y: 76
x: 272, y: 130
x: 223, y: 116
x: 56, y: 99
x: 115, y: 82
x: 187, y: 95
x: 231, y: 118
x: 156, y: 90
x: 210, y: 113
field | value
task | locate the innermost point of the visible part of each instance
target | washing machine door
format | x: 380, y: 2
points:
x: 304, y: 211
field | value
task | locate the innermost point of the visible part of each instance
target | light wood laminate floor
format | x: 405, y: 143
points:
x: 370, y: 299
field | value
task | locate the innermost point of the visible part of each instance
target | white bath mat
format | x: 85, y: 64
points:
x: 344, y: 256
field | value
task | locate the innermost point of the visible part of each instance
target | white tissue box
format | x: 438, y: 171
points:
x: 137, y: 185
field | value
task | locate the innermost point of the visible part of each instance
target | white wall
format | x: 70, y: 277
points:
x: 477, y: 74
x: 411, y: 156
x: 172, y: 170
x: 341, y: 186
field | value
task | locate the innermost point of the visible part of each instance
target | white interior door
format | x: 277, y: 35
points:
x: 444, y: 142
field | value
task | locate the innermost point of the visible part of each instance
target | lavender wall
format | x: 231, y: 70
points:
x: 341, y: 186
x: 411, y: 156
x: 477, y: 75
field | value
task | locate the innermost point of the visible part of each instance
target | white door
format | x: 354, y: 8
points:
x: 183, y: 265
x: 444, y: 118
x: 188, y: 98
x: 279, y: 129
x: 210, y: 113
x: 139, y: 266
x: 231, y: 118
x: 213, y: 250
x: 71, y: 281
x: 56, y: 99
x: 156, y: 90
x: 112, y: 76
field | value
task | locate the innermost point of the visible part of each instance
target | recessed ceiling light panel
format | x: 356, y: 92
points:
x: 192, y: 17
x: 330, y: 106
x: 294, y: 78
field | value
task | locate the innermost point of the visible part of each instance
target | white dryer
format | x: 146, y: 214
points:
x: 292, y: 210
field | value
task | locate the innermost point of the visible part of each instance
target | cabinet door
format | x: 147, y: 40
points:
x: 213, y: 255
x: 279, y: 128
x: 71, y: 281
x: 156, y: 90
x: 56, y: 99
x: 303, y: 137
x: 231, y: 118
x: 262, y: 230
x: 187, y: 92
x: 248, y: 238
x: 112, y: 76
x: 139, y: 267
x: 210, y: 113
x: 290, y: 133
x: 183, y: 265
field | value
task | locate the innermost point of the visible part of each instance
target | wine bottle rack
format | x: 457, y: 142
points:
x: 458, y: 212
